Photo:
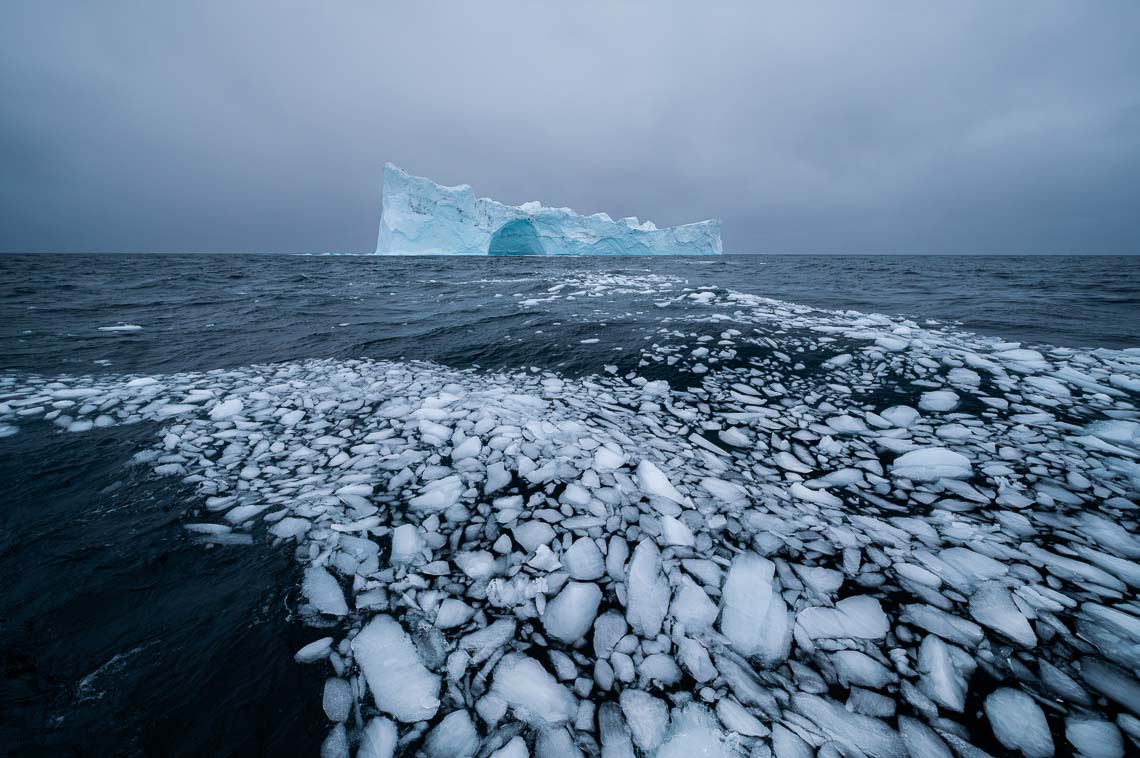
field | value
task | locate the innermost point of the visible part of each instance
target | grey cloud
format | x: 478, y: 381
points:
x: 824, y: 127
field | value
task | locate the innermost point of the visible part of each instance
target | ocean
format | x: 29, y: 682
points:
x: 771, y: 483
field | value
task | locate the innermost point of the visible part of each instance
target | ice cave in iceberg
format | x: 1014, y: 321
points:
x: 421, y: 217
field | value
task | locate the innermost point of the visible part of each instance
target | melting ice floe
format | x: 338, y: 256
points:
x: 852, y: 535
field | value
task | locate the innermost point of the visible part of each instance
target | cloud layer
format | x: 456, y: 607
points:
x: 947, y: 127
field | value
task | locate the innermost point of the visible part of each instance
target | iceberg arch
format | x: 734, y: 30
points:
x: 421, y: 217
x: 518, y: 237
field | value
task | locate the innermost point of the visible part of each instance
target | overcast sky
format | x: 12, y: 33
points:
x: 817, y: 127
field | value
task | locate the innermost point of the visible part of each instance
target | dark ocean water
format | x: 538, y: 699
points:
x: 121, y: 635
x: 211, y: 311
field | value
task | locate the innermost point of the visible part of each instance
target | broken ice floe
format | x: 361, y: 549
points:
x: 851, y: 535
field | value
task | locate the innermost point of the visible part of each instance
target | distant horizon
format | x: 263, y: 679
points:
x: 707, y: 258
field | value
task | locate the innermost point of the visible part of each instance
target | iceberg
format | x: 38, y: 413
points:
x: 420, y: 217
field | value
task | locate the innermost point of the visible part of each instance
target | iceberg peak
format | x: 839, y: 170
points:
x: 421, y: 217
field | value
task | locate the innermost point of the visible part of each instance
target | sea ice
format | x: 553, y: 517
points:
x: 1019, y: 723
x: 790, y: 541
x: 647, y: 589
x: 378, y: 739
x: 941, y: 400
x: 1094, y: 738
x: 584, y: 560
x: 748, y: 593
x: 531, y: 692
x: 856, y: 733
x: 654, y: 482
x: 992, y: 605
x: 930, y: 464
x: 322, y: 590
x: 400, y: 683
x: 693, y: 733
x: 859, y: 616
x: 945, y: 675
x: 453, y: 737
x: 338, y: 699
x: 647, y: 718
x: 692, y: 607
x: 314, y: 651
x: 571, y: 613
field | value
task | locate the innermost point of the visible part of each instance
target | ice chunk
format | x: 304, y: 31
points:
x: 336, y: 743
x: 420, y: 216
x: 675, y: 533
x: 1094, y: 739
x: 544, y: 559
x: 290, y: 528
x: 614, y: 733
x: 555, y: 742
x: 575, y: 495
x: 515, y: 748
x: 406, y: 543
x: 453, y: 613
x: 855, y: 668
x: 695, y: 658
x: 323, y: 592
x: 609, y: 628
x: 726, y: 491
x: 693, y: 733
x: 453, y: 737
x: 646, y: 716
x: 648, y: 592
x: 531, y: 534
x: 400, y: 683
x: 945, y: 625
x: 993, y: 606
x: 228, y: 409
x: 584, y: 560
x: 477, y: 564
x: 468, y: 448
x: 921, y: 740
x: 314, y: 651
x: 1062, y: 685
x: 531, y: 692
x: 858, y: 734
x: 571, y: 613
x: 654, y: 482
x: 944, y: 677
x: 337, y: 699
x: 737, y: 718
x: 497, y: 478
x: 1112, y: 682
x: 932, y: 463
x: 859, y: 616
x: 940, y: 400
x: 607, y: 459
x: 1019, y: 723
x: 438, y: 495
x: 787, y: 744
x: 902, y: 416
x: 692, y: 607
x: 748, y: 591
x: 378, y: 740
x: 483, y: 643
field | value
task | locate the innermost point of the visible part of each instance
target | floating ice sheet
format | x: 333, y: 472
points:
x: 791, y: 550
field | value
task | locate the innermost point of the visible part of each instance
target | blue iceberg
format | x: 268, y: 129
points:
x: 420, y: 217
